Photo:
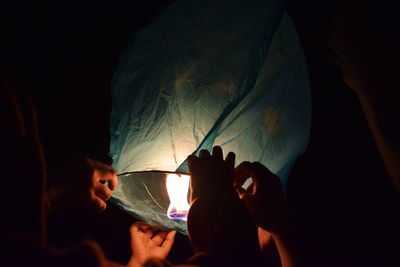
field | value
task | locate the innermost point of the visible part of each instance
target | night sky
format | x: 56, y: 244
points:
x: 65, y: 52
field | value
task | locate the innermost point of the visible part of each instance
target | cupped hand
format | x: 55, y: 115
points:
x: 264, y: 198
x: 86, y: 185
x: 103, y: 181
x: 349, y: 52
x: 149, y: 242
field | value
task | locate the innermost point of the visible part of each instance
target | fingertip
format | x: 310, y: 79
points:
x: 258, y: 167
x: 113, y: 182
x: 230, y: 158
x: 133, y: 228
x: 240, y: 191
x: 137, y: 225
x: 217, y: 152
x: 242, y: 172
x: 103, y: 206
x: 204, y: 153
x: 100, y: 206
x: 191, y: 159
x: 245, y: 165
x: 102, y: 191
x: 172, y: 234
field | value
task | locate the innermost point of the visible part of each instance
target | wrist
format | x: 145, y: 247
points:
x: 282, y: 222
x: 214, y: 220
x: 133, y: 262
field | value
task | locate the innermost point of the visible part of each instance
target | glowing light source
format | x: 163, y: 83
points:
x: 177, y: 188
x: 189, y: 83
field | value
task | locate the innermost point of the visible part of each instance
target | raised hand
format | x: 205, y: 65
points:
x: 264, y: 198
x: 211, y: 174
x: 86, y: 185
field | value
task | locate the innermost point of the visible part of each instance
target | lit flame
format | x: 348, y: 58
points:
x: 177, y: 188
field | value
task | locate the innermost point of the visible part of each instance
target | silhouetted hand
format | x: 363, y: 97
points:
x: 264, y: 198
x: 86, y: 185
x: 218, y: 222
x: 350, y: 53
x: 148, y: 242
x: 211, y: 174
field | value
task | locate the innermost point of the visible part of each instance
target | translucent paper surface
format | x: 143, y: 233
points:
x: 205, y: 73
x: 144, y: 195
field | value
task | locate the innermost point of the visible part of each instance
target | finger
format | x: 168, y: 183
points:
x: 191, y: 159
x: 134, y: 229
x: 217, y: 153
x: 148, y: 232
x: 336, y: 53
x: 112, y: 181
x: 98, y: 165
x: 192, y: 164
x: 97, y: 204
x: 106, y: 174
x: 159, y: 238
x: 240, y: 191
x: 106, y: 171
x: 264, y: 178
x: 140, y: 226
x: 204, y: 153
x: 230, y: 160
x: 242, y: 172
x: 169, y: 241
x: 262, y: 173
x: 334, y: 31
x: 243, y: 190
x: 102, y: 191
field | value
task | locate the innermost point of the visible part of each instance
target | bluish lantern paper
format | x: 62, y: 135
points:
x: 204, y: 73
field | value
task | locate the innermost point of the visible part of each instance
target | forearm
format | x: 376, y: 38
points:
x: 226, y: 235
x: 264, y: 238
x: 383, y: 129
x: 283, y: 234
x: 285, y: 249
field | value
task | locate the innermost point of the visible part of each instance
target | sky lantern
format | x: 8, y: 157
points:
x: 204, y: 73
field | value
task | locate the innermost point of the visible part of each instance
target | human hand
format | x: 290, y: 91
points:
x: 264, y: 198
x: 147, y: 242
x: 217, y: 217
x: 86, y: 185
x: 211, y: 174
x: 350, y: 53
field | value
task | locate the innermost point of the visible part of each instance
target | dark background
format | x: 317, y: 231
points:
x: 65, y: 53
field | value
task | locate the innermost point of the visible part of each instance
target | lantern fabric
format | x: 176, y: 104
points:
x: 204, y: 73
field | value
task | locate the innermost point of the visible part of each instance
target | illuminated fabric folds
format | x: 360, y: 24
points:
x: 205, y: 73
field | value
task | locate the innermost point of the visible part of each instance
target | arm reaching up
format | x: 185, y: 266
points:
x: 264, y: 199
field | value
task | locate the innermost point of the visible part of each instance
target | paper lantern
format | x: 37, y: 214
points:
x: 205, y: 73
